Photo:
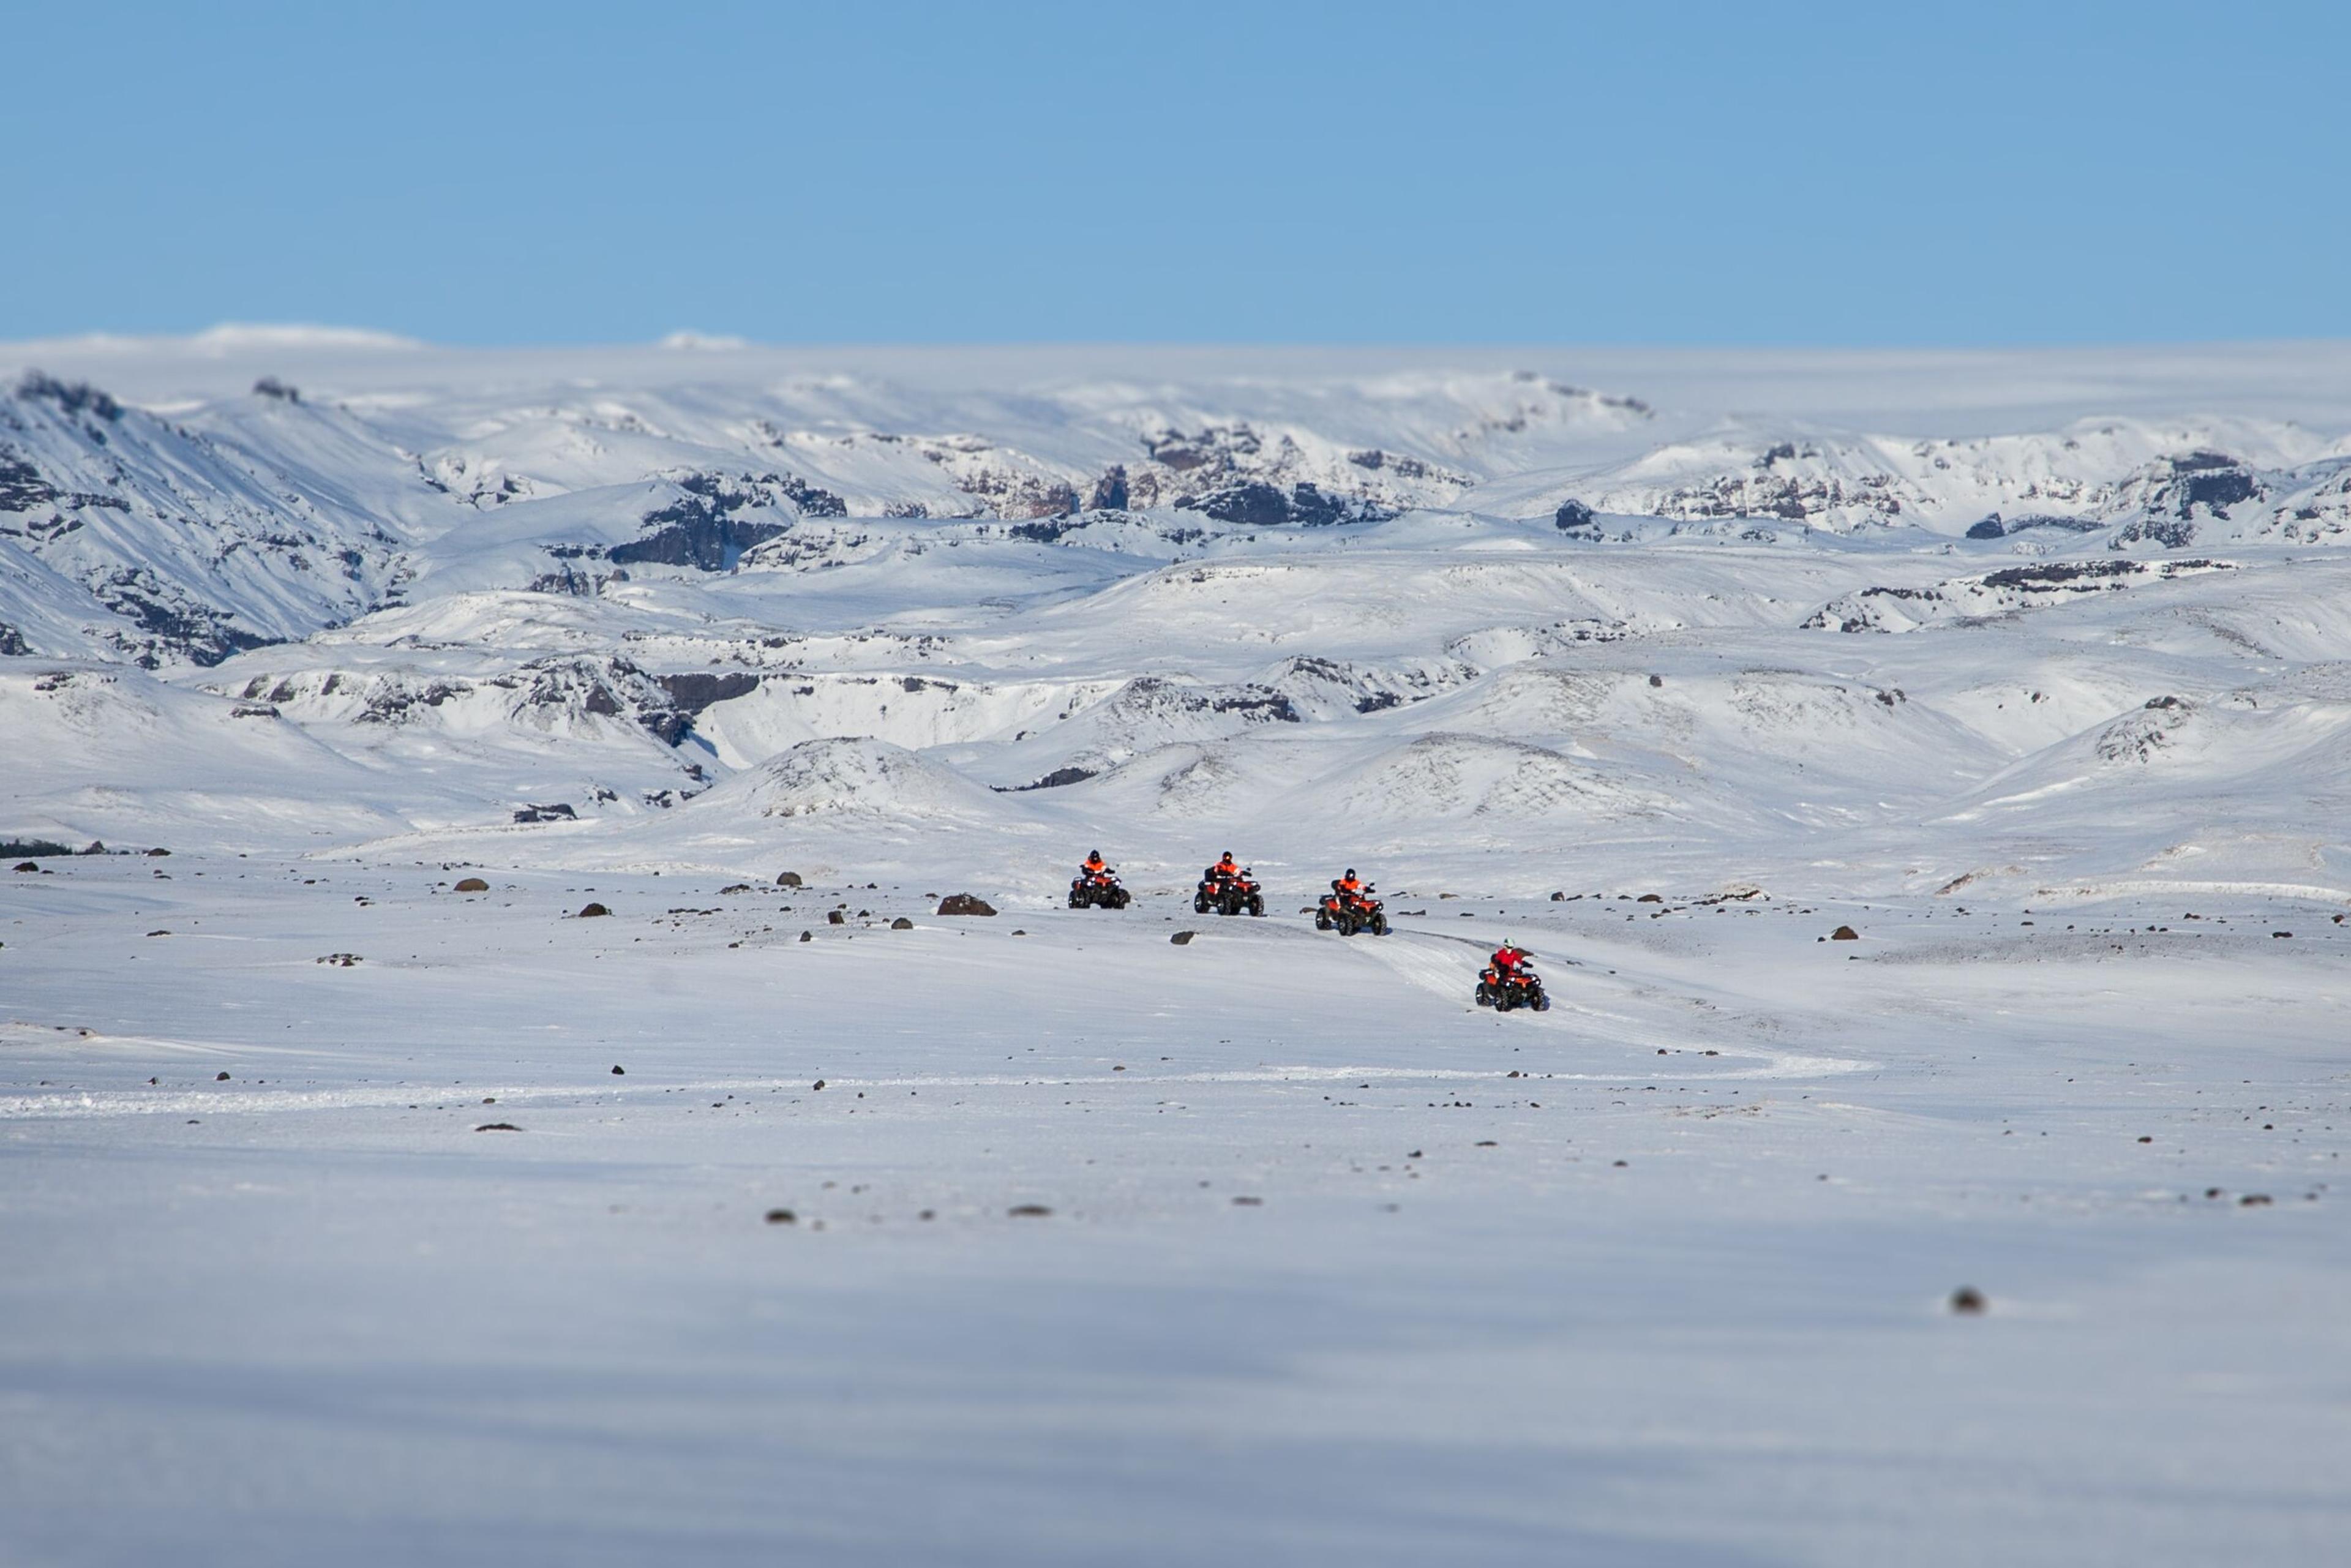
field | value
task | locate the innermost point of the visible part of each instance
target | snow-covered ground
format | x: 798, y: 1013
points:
x: 1665, y: 665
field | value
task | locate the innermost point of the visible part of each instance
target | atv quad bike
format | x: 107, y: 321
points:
x: 1347, y: 915
x: 1228, y: 895
x: 1099, y: 890
x: 1523, y: 989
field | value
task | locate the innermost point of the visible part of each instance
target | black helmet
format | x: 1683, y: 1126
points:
x: 1228, y: 854
x: 1350, y: 871
x: 1093, y: 854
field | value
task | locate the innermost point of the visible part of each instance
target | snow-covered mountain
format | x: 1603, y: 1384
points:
x: 1512, y: 603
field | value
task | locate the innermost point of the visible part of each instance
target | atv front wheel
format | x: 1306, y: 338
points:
x: 1379, y: 924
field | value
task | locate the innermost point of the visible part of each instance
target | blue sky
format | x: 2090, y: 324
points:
x: 883, y: 171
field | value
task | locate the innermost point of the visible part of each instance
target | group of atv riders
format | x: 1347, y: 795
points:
x: 1509, y: 981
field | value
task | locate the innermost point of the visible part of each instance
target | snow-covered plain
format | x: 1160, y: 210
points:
x: 1333, y: 1267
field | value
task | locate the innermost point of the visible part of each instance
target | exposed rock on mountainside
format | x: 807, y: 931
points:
x: 709, y: 526
x: 2005, y: 591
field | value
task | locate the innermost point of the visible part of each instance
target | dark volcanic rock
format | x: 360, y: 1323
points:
x: 473, y: 884
x: 1968, y: 1301
x: 2213, y: 480
x: 788, y: 879
x: 22, y: 489
x: 1989, y: 529
x: 1844, y: 934
x: 695, y: 691
x: 1055, y: 781
x: 2167, y: 533
x: 1182, y: 938
x: 1574, y: 516
x: 1255, y: 504
x: 965, y: 903
x: 698, y: 530
x: 593, y: 911
x: 71, y: 397
x: 203, y: 635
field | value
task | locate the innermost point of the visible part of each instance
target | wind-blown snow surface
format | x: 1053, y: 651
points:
x: 1337, y: 1268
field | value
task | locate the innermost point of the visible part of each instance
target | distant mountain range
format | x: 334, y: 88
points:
x: 276, y: 575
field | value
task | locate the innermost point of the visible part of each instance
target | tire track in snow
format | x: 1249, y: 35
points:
x: 1423, y: 960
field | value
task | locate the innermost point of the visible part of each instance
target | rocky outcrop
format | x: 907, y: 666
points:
x: 22, y: 489
x: 1257, y: 505
x: 695, y: 691
x: 2006, y: 591
x: 170, y: 621
x: 709, y: 526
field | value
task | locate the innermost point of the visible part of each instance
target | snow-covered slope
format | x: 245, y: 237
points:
x: 1469, y: 606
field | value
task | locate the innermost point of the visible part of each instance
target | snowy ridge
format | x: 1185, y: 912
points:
x: 1474, y: 606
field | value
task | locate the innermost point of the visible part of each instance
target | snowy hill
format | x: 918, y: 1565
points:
x: 1597, y: 604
